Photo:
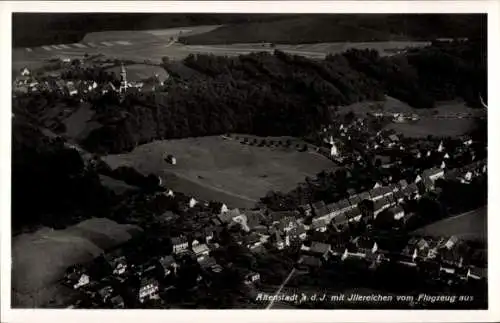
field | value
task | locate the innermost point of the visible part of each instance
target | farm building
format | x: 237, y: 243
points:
x: 171, y: 159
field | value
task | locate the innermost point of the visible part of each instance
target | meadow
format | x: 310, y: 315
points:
x: 214, y: 168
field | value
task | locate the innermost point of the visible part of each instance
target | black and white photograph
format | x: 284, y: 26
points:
x: 210, y: 160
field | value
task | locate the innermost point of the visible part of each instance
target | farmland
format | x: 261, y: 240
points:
x: 223, y: 169
x: 468, y: 226
x: 152, y: 45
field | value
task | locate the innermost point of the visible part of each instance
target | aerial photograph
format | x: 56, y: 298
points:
x: 249, y: 161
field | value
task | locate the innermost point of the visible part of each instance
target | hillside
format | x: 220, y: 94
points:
x: 39, y: 259
x: 63, y: 28
x: 346, y: 28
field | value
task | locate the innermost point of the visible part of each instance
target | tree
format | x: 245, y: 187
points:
x: 165, y: 60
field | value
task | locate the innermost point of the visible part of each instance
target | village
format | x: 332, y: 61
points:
x: 319, y: 234
x: 190, y: 254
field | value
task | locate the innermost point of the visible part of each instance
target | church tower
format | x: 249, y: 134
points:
x: 123, y: 80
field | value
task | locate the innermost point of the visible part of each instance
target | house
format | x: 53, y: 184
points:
x: 364, y: 196
x: 451, y: 242
x: 407, y: 260
x: 343, y: 206
x: 209, y: 263
x: 287, y: 224
x: 451, y: 257
x: 25, y: 71
x: 148, y: 289
x: 254, y: 219
x: 71, y: 89
x: 299, y: 232
x: 241, y: 219
x: 364, y: 245
x: 319, y: 225
x: 450, y: 270
x: 380, y: 205
x: 77, y: 279
x: 201, y: 251
x: 253, y: 241
x: 376, y: 193
x: 354, y: 215
x: 398, y: 196
x: 411, y: 191
x: 228, y: 216
x: 340, y: 218
x: 117, y: 302
x: 305, y: 209
x: 251, y: 278
x: 432, y: 175
x: 309, y: 263
x: 179, y: 244
x: 192, y: 202
x: 168, y: 265
x: 476, y: 273
x: 209, y: 234
x: 393, y: 138
x: 319, y: 209
x: 119, y: 265
x: 397, y: 212
x: 354, y: 201
x: 407, y: 218
x: 278, y: 241
x: 105, y: 293
x: 320, y: 249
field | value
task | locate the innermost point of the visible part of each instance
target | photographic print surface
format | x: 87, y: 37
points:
x: 249, y: 161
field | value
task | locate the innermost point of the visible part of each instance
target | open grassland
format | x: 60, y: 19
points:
x: 40, y: 259
x: 468, y: 226
x: 223, y: 169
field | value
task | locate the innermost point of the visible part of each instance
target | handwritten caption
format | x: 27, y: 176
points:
x: 298, y: 298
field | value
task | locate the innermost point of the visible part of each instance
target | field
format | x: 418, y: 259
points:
x: 39, y: 259
x: 155, y: 44
x: 447, y: 119
x: 214, y: 168
x: 468, y: 226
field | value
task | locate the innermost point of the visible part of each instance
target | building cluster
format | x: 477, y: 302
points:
x: 396, y: 117
x: 26, y: 82
x: 262, y: 230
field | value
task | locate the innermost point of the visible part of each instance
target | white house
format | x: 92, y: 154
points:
x: 440, y: 147
x: 25, y: 72
x: 334, y: 152
x: 192, y: 202
x: 224, y: 208
x: 84, y: 280
x: 148, y: 289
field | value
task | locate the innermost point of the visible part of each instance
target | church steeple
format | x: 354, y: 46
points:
x: 123, y: 79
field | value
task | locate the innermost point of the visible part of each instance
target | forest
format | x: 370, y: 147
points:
x: 281, y: 94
